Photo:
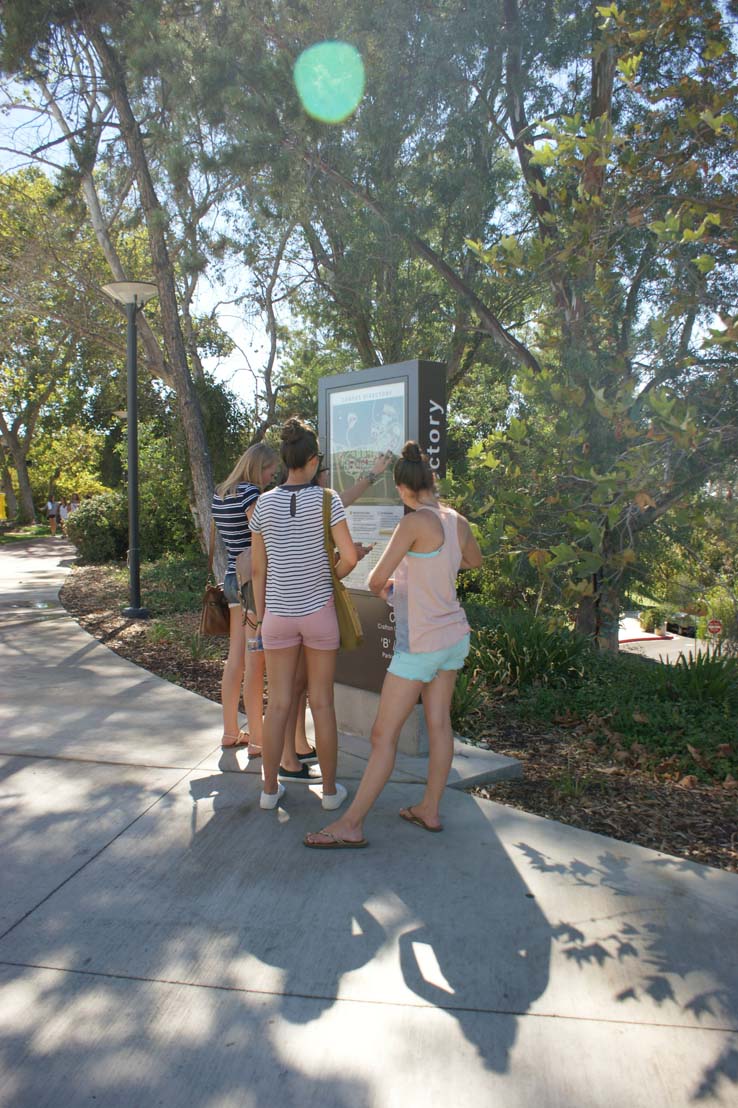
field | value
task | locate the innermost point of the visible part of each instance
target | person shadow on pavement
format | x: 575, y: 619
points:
x: 469, y: 941
x: 322, y: 938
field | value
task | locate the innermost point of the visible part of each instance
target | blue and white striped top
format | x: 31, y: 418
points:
x: 290, y: 520
x: 230, y: 519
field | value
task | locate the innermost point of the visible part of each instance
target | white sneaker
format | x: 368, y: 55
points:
x: 268, y: 801
x: 330, y: 803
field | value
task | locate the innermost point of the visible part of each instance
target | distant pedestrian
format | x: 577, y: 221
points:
x: 417, y: 575
x: 74, y: 502
x: 232, y: 507
x: 63, y: 515
x: 52, y: 513
x: 293, y: 591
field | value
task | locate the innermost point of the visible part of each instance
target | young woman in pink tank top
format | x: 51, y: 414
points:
x: 417, y: 575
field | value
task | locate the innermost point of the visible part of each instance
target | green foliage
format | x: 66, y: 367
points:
x: 69, y: 458
x: 469, y: 695
x: 166, y: 523
x: 516, y: 648
x: 169, y: 630
x: 651, y: 619
x: 622, y: 703
x: 704, y: 678
x: 172, y: 584
x: 99, y: 528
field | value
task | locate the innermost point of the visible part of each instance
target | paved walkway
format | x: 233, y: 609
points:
x: 634, y: 641
x: 164, y: 942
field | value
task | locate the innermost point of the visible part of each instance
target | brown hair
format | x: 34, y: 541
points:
x: 299, y: 443
x: 249, y: 467
x: 412, y: 469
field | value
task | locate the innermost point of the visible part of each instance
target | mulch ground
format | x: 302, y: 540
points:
x: 566, y: 777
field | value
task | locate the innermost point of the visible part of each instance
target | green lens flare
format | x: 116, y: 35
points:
x: 329, y: 78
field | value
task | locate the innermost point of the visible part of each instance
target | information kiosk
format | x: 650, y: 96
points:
x: 361, y: 415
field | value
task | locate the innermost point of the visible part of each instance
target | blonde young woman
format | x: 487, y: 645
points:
x: 232, y: 508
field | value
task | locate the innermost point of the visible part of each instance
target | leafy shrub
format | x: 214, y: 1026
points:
x: 702, y: 678
x: 174, y: 584
x: 469, y: 693
x: 99, y: 527
x: 647, y: 620
x: 166, y: 521
x: 652, y: 619
x: 517, y: 648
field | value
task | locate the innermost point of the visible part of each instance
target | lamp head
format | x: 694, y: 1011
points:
x: 131, y: 292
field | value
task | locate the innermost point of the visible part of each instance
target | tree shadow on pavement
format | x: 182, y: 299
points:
x: 658, y: 953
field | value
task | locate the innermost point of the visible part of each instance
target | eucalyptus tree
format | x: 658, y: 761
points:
x: 629, y: 164
x: 58, y: 335
x: 618, y: 225
x: 80, y: 54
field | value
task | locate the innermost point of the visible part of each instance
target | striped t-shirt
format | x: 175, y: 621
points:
x: 229, y: 514
x: 290, y: 520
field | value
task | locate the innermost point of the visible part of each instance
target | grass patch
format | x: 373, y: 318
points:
x: 22, y: 534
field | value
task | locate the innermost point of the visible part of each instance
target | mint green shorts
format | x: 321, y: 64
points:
x: 425, y: 666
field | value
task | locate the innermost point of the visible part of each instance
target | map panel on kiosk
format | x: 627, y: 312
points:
x: 363, y: 422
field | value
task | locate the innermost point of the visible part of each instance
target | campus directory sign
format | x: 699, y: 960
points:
x: 361, y: 415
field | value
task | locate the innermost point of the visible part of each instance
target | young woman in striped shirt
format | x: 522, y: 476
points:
x: 232, y: 507
x: 293, y: 592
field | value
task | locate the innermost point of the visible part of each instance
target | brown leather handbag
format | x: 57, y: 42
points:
x: 215, y: 619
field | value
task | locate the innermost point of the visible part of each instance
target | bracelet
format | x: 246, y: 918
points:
x: 370, y: 477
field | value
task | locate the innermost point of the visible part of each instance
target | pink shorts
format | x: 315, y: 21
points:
x: 318, y: 631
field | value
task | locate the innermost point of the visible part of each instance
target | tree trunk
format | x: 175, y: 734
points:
x: 27, y: 512
x: 598, y: 616
x: 11, y: 502
x: 187, y: 398
x: 15, y: 447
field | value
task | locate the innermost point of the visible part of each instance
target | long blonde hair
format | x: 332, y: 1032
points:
x: 249, y: 468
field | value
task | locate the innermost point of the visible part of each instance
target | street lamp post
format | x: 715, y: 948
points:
x: 133, y: 295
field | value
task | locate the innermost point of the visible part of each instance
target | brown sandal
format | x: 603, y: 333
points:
x: 410, y: 817
x: 241, y: 739
x: 335, y: 843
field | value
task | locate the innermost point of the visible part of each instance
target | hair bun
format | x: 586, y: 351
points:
x: 411, y: 452
x: 293, y: 430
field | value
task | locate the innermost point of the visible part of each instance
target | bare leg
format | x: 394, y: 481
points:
x: 253, y: 690
x: 399, y: 697
x: 281, y: 666
x: 302, y: 742
x: 290, y: 760
x: 52, y: 525
x: 321, y: 671
x: 437, y: 708
x: 230, y: 686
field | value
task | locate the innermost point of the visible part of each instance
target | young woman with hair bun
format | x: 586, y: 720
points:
x: 293, y: 592
x: 417, y: 575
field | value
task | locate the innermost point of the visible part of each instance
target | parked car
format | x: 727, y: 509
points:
x: 680, y: 623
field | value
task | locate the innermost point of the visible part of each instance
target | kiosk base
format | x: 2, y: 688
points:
x: 356, y: 710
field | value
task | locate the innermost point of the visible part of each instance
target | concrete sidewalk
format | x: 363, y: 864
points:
x: 164, y: 942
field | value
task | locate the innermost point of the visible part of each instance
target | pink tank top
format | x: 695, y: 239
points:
x: 428, y: 615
